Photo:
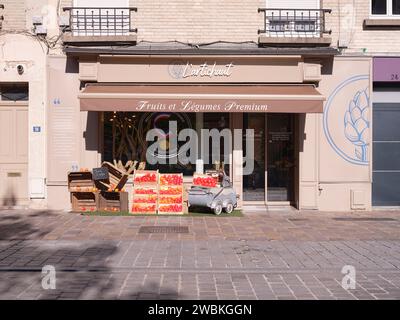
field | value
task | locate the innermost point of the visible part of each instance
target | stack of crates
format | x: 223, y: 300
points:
x: 88, y: 195
x: 83, y: 192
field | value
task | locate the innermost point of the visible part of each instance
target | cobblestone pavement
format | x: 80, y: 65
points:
x: 259, y: 256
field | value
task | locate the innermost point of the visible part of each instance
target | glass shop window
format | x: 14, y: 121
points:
x: 125, y: 137
x: 14, y: 92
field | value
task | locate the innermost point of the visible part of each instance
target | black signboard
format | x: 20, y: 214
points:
x: 100, y: 173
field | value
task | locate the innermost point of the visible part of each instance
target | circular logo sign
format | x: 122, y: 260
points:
x: 176, y: 69
x: 346, y: 120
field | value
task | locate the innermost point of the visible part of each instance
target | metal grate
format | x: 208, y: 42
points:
x: 294, y: 22
x: 164, y: 229
x: 96, y: 21
x: 364, y: 219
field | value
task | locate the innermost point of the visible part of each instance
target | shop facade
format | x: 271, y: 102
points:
x: 308, y: 115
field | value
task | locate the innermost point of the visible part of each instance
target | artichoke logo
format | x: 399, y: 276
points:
x: 176, y: 69
x: 356, y: 124
x: 346, y: 120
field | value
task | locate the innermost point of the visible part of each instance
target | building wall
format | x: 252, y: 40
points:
x: 327, y: 180
x: 14, y: 14
x: 346, y: 22
x: 343, y: 141
x: 198, y: 21
x: 19, y: 46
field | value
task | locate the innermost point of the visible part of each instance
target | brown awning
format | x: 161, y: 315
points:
x: 202, y: 98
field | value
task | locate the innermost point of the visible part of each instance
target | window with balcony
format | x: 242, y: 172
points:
x: 100, y: 18
x: 385, y: 8
x: 294, y: 19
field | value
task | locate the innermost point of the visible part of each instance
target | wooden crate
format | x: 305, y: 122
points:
x: 113, y: 201
x: 80, y: 182
x: 117, y: 179
x: 168, y: 199
x: 84, y: 201
x: 143, y: 200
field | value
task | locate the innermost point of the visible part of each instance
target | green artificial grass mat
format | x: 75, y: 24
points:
x: 235, y: 213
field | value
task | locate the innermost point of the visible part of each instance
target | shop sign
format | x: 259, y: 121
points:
x: 387, y: 69
x: 193, y: 106
x: 181, y: 70
x: 100, y: 173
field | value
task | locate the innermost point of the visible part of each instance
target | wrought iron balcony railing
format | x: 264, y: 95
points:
x: 96, y: 21
x: 294, y: 22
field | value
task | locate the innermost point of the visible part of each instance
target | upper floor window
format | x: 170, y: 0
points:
x: 384, y: 8
x: 100, y: 17
x: 14, y: 91
x: 288, y: 18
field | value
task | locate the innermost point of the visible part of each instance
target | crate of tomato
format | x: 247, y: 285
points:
x: 205, y: 180
x: 170, y: 197
x: 145, y: 192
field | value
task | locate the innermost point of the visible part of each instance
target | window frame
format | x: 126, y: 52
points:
x: 389, y: 12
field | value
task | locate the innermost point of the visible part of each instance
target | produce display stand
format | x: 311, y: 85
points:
x: 89, y: 194
x: 145, y: 192
x: 170, y: 194
x: 113, y: 201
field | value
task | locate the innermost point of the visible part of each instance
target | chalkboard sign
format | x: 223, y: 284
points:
x: 100, y: 173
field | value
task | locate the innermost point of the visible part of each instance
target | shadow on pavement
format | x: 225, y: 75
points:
x: 84, y: 269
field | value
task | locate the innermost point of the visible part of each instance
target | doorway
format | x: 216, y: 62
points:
x: 273, y: 177
x: 13, y: 144
x: 281, y: 157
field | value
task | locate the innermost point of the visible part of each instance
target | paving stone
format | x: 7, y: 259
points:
x: 226, y: 258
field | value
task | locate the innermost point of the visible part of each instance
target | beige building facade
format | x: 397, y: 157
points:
x: 310, y: 159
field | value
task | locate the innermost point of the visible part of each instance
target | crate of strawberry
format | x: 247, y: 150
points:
x: 171, y: 179
x: 145, y: 177
x: 205, y: 181
x: 147, y: 191
x: 143, y: 208
x: 170, y: 208
x: 149, y: 199
x: 167, y: 190
x: 170, y: 200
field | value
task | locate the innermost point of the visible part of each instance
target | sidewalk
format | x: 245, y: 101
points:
x: 278, y: 255
x: 283, y: 226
